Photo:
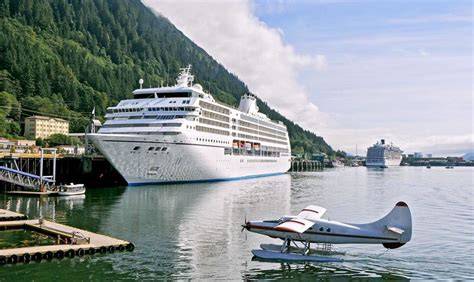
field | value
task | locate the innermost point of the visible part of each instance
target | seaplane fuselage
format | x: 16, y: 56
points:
x: 393, y: 231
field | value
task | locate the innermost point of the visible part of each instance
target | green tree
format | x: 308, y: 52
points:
x: 63, y: 58
x: 61, y: 139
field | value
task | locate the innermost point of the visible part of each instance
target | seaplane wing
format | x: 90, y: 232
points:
x: 298, y: 225
x: 312, y: 212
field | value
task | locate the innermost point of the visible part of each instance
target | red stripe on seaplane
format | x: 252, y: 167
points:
x: 324, y: 233
x: 310, y: 210
x: 282, y: 228
x: 295, y: 221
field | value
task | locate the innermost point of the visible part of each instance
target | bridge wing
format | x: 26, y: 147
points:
x: 312, y: 212
x: 298, y: 225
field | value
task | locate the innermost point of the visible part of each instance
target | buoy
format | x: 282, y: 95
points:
x: 12, y: 259
x: 59, y: 254
x: 103, y: 250
x: 130, y: 247
x: 37, y: 257
x: 3, y: 260
x: 26, y: 258
x: 111, y: 249
x: 70, y: 253
x: 91, y: 251
x: 80, y: 252
x: 121, y: 248
x: 48, y: 255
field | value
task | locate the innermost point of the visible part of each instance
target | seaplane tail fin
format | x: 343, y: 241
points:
x: 398, y: 222
x: 298, y: 225
x: 312, y: 212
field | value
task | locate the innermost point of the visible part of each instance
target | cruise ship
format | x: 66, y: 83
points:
x: 179, y: 133
x: 383, y: 155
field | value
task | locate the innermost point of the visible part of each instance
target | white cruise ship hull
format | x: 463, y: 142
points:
x: 181, y: 161
x: 384, y: 162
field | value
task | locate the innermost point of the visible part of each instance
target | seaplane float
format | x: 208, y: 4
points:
x: 308, y: 227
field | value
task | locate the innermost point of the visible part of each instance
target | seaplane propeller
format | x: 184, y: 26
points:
x: 392, y: 231
x: 244, y: 226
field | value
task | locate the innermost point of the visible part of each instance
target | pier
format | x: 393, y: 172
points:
x: 70, y: 241
x: 21, y: 172
x: 301, y: 165
x: 19, y: 177
x: 6, y: 215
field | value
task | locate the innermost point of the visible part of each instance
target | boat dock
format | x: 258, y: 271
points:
x: 6, y: 215
x: 32, y: 193
x: 301, y: 165
x: 70, y: 241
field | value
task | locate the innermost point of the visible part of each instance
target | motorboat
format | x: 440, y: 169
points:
x: 71, y: 189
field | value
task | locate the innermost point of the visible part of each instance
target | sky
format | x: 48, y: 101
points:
x: 350, y: 71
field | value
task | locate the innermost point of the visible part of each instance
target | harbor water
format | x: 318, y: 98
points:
x: 193, y: 231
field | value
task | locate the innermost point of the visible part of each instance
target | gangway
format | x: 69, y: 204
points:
x: 24, y: 179
x: 32, y: 182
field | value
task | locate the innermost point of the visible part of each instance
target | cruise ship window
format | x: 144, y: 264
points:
x: 136, y: 148
x: 150, y: 148
x: 163, y: 149
x: 157, y: 148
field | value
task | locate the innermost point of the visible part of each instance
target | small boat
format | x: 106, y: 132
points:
x: 71, y: 189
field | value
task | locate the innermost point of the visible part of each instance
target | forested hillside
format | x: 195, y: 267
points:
x: 63, y: 57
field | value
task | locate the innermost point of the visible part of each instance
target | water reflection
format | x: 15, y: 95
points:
x: 308, y: 271
x: 193, y: 231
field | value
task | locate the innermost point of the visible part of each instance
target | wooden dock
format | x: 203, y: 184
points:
x: 32, y: 193
x: 70, y: 242
x: 6, y: 215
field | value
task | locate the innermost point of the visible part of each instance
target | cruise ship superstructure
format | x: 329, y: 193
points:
x: 383, y: 155
x: 181, y: 134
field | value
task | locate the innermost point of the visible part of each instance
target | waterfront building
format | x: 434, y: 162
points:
x: 418, y: 155
x: 6, y: 145
x: 43, y: 127
x: 71, y: 150
x: 25, y: 143
x: 180, y: 134
x: 17, y: 146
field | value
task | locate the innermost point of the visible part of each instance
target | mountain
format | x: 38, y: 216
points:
x: 468, y: 156
x: 64, y: 57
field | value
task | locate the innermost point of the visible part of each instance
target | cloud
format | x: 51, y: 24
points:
x: 255, y: 52
x: 441, y: 18
x: 443, y: 144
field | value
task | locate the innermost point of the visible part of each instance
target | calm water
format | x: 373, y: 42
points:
x: 193, y: 231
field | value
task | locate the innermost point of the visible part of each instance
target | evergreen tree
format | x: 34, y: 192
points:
x: 65, y: 57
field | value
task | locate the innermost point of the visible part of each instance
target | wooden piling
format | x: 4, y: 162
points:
x: 71, y: 241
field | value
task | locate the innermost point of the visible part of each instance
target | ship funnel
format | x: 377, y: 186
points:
x: 248, y: 104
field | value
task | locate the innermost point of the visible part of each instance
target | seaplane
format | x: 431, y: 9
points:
x: 309, y: 227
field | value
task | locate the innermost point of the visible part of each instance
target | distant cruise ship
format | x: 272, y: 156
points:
x: 180, y: 134
x: 383, y: 155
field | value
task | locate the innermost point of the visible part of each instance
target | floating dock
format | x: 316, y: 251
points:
x: 6, y: 215
x: 70, y: 241
x: 32, y: 193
